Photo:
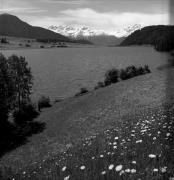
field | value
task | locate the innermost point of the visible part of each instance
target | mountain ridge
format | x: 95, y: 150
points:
x: 13, y: 26
x: 159, y: 36
x: 86, y: 31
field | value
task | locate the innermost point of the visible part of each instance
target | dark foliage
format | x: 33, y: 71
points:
x: 25, y: 114
x: 7, y: 89
x: 12, y: 136
x: 146, y: 69
x: 22, y: 79
x: 15, y: 89
x: 132, y: 71
x: 44, y: 102
x: 4, y: 41
x: 161, y: 37
x: 27, y: 45
x: 99, y: 85
x: 82, y: 91
x: 111, y: 76
x: 42, y: 46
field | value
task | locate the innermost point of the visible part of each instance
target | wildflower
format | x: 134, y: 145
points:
x: 67, y: 177
x: 155, y: 170
x: 121, y: 172
x: 93, y: 157
x: 101, y: 156
x: 133, y: 162
x: 116, y: 138
x: 111, y: 167
x: 82, y: 167
x: 133, y: 171
x: 163, y: 169
x: 168, y: 134
x: 139, y: 141
x: 24, y: 173
x: 115, y: 143
x: 127, y: 170
x: 64, y: 168
x: 103, y: 173
x: 154, y: 138
x: 118, y: 168
x: 115, y: 147
x: 152, y: 156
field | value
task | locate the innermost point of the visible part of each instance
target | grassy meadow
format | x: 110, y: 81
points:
x: 138, y: 147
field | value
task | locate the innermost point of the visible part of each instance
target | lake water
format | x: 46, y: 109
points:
x: 62, y: 72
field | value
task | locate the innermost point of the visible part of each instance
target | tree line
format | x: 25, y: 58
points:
x: 161, y: 37
x: 16, y: 82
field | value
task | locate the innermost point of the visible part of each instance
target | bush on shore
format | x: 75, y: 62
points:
x: 44, y: 102
x: 99, y: 85
x: 25, y: 114
x: 111, y: 76
x: 82, y: 91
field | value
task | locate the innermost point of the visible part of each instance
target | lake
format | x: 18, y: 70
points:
x: 62, y: 72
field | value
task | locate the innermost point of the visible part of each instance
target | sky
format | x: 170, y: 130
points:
x: 99, y: 14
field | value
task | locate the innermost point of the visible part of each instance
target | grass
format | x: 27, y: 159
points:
x: 138, y: 147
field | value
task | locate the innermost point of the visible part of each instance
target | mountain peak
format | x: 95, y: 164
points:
x: 85, y: 31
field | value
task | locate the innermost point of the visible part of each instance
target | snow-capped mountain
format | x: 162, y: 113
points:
x: 76, y: 31
x: 85, y: 31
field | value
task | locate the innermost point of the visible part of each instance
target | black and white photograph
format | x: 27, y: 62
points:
x: 86, y: 90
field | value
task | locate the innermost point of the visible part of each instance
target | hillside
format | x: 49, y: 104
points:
x: 74, y: 119
x: 12, y: 26
x: 161, y: 37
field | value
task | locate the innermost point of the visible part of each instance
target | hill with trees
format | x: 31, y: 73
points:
x: 12, y: 26
x: 160, y: 36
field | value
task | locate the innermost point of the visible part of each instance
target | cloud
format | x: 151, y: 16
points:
x: 66, y: 2
x: 21, y: 10
x: 110, y: 19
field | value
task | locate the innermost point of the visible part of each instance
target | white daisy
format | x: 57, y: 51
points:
x: 67, y: 177
x: 64, y: 168
x: 133, y: 171
x: 152, y: 156
x: 82, y: 167
x: 111, y: 167
x: 119, y: 168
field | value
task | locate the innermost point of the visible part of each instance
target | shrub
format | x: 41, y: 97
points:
x: 99, y: 85
x: 27, y: 45
x: 42, y: 46
x: 82, y: 91
x: 128, y: 73
x: 25, y: 114
x: 146, y: 69
x: 44, y: 102
x: 140, y: 71
x: 111, y: 76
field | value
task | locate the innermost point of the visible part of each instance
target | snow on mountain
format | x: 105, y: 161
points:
x: 85, y: 31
